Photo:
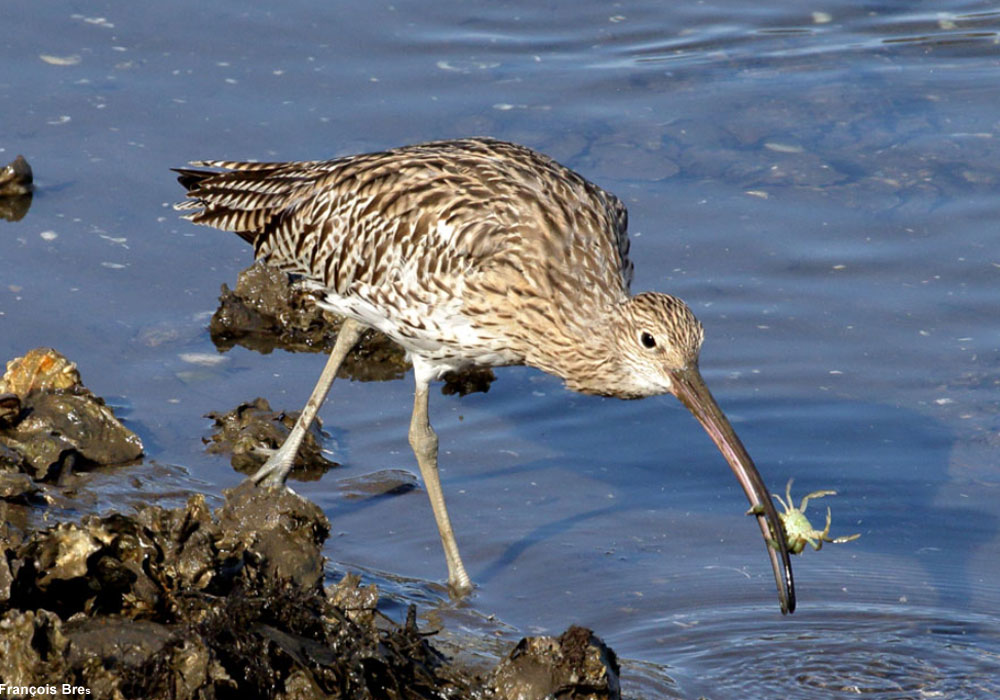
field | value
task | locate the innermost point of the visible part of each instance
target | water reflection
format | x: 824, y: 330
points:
x: 15, y: 208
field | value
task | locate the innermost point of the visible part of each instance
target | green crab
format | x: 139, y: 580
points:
x: 798, y: 530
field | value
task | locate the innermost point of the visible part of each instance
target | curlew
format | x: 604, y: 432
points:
x: 472, y: 252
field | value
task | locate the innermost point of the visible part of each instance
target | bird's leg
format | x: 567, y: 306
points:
x: 424, y: 442
x: 275, y: 469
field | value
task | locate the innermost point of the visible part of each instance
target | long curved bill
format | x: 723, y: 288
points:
x: 690, y: 388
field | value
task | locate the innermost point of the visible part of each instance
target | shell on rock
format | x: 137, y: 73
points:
x: 41, y: 369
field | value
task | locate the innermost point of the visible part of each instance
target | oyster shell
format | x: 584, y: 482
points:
x: 41, y: 369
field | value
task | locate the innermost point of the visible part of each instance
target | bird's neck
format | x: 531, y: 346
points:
x: 583, y: 355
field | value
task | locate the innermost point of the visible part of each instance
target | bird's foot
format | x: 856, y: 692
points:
x: 459, y: 591
x: 459, y: 583
x: 275, y: 470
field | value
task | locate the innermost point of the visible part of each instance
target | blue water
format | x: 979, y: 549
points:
x: 819, y: 183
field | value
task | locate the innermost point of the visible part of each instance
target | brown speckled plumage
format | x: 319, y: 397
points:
x: 465, y: 248
x: 472, y: 251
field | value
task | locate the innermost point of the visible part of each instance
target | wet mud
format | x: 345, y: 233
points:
x: 187, y: 603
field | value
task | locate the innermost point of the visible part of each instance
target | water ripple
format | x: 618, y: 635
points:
x: 877, y: 651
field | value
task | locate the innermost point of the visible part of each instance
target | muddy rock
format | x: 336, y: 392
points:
x: 15, y: 189
x: 575, y: 665
x: 10, y: 461
x: 16, y: 488
x: 10, y: 408
x: 252, y: 430
x: 50, y: 423
x: 267, y: 310
x: 70, y: 430
x: 283, y: 530
x: 357, y: 602
x: 16, y: 178
x: 6, y: 576
x: 32, y: 646
x: 186, y: 603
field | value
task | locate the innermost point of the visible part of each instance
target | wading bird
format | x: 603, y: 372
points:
x: 472, y: 252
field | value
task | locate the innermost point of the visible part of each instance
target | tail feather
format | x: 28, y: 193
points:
x: 245, y: 198
x: 191, y: 178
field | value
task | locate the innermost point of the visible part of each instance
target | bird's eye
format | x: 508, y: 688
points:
x: 647, y: 340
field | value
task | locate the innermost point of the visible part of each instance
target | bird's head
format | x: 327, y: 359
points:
x: 659, y: 337
x: 658, y: 344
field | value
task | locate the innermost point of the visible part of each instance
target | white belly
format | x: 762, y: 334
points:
x: 439, y: 333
